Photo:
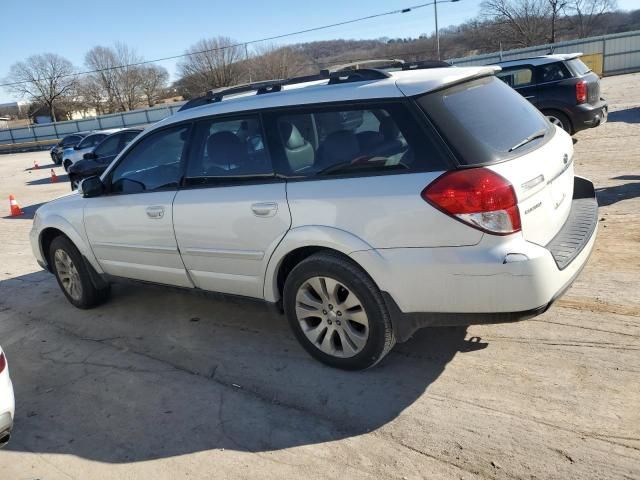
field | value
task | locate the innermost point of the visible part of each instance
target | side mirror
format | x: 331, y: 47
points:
x: 91, y: 187
x: 90, y: 156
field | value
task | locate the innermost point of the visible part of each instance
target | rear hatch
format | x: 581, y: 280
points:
x: 488, y: 124
x: 584, y: 73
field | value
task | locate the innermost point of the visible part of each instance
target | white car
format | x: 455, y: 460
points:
x: 74, y: 154
x: 7, y: 402
x: 364, y: 205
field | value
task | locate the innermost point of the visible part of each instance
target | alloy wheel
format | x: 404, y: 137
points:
x: 68, y: 274
x: 332, y: 317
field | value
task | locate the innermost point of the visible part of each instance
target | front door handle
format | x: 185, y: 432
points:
x: 155, y: 212
x: 265, y: 209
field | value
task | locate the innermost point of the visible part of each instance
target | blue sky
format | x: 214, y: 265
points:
x: 158, y: 28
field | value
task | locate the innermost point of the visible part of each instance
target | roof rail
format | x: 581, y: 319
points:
x: 358, y: 75
x: 265, y: 86
x: 357, y: 65
x: 418, y: 65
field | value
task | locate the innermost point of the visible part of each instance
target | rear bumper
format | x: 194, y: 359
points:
x: 502, y: 279
x: 588, y: 116
x: 7, y: 407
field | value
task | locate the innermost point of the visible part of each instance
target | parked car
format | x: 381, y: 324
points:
x: 69, y: 141
x: 7, y: 402
x: 363, y: 206
x: 95, y: 162
x: 561, y: 86
x: 73, y: 154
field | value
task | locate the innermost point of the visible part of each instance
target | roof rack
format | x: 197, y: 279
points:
x: 346, y: 73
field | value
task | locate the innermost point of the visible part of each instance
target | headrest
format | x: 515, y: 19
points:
x: 225, y: 147
x: 389, y: 129
x: 291, y: 136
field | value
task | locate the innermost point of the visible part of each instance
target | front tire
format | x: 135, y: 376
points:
x: 73, y: 275
x: 66, y: 165
x: 337, y: 312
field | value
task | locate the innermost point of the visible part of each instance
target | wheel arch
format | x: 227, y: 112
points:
x: 56, y: 226
x: 552, y: 110
x: 302, y: 242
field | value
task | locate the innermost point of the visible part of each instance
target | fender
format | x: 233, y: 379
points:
x: 308, y: 236
x: 78, y: 238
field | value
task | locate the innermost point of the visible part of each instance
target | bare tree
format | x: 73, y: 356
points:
x: 154, y: 82
x: 556, y: 6
x: 523, y: 22
x: 117, y: 75
x: 271, y: 61
x: 45, y: 79
x: 585, y: 14
x: 213, y: 63
x: 103, y: 61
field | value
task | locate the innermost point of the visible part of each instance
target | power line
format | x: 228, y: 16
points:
x: 241, y: 44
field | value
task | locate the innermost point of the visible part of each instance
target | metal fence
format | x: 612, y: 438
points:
x: 48, y: 132
x: 607, y: 54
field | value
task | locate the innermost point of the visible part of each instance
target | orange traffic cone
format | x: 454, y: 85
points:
x: 15, y: 208
x: 54, y: 177
x: 35, y: 165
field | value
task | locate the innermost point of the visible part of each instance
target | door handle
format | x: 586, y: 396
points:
x: 155, y: 212
x: 266, y: 209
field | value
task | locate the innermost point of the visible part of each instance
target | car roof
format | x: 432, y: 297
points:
x: 398, y: 84
x: 541, y: 60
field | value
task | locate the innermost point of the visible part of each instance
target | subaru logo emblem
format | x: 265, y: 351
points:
x: 565, y: 159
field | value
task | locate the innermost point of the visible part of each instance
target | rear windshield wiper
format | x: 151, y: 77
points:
x: 530, y: 138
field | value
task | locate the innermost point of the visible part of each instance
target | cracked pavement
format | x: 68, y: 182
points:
x: 162, y: 383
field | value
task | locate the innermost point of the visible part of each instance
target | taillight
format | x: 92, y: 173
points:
x: 3, y: 362
x: 478, y: 197
x: 581, y: 91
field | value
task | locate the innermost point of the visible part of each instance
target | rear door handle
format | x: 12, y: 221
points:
x: 265, y: 209
x: 155, y: 212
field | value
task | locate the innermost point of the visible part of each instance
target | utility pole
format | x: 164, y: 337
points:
x: 435, y: 11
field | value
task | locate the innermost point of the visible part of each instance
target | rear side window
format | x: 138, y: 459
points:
x: 226, y: 149
x: 483, y: 120
x: 552, y: 72
x: 517, y: 77
x: 71, y: 140
x: 324, y: 141
x: 578, y: 67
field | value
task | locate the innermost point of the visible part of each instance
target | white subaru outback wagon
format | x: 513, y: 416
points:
x: 364, y: 204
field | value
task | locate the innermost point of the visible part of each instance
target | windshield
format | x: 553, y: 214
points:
x: 484, y: 119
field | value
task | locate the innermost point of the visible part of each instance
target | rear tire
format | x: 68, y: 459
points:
x: 337, y: 312
x: 73, y: 275
x: 559, y: 119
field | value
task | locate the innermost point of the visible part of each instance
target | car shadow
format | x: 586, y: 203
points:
x: 41, y: 167
x: 616, y: 193
x: 159, y: 372
x: 627, y: 115
x: 27, y: 212
x: 43, y: 181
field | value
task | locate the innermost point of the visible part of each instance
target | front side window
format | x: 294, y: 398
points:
x: 108, y: 147
x: 152, y: 164
x: 224, y: 149
x: 345, y: 140
x: 516, y: 77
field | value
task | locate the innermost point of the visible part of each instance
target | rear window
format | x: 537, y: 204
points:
x: 578, y: 67
x: 484, y: 119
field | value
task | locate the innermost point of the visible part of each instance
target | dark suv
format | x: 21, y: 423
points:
x: 561, y: 86
x: 67, y: 142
